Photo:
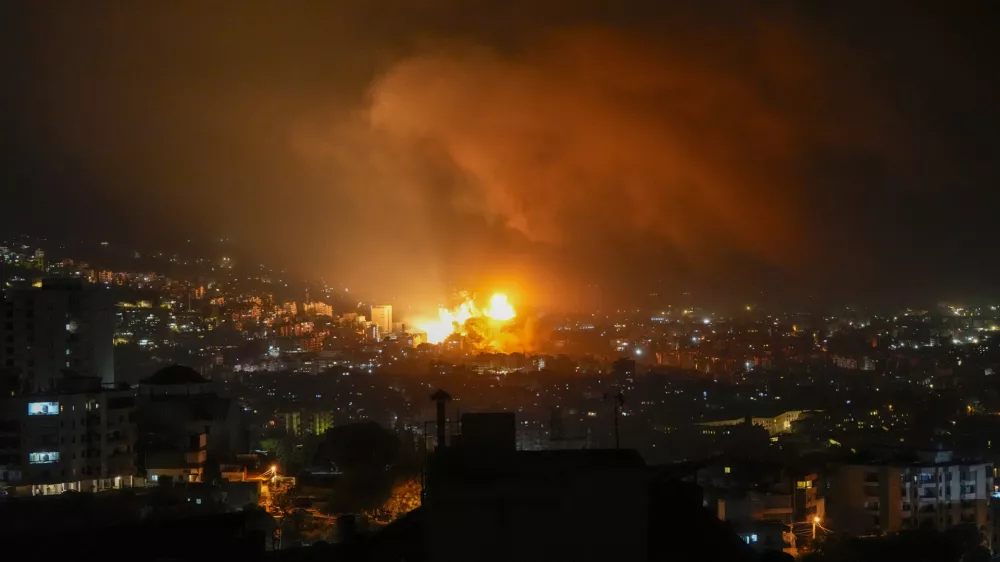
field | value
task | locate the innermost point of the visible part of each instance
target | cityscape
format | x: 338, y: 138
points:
x: 862, y: 422
x: 590, y: 282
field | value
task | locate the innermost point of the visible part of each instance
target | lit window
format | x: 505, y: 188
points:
x: 728, y: 470
x: 43, y: 408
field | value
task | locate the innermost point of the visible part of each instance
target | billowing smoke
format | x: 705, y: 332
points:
x: 597, y: 154
x: 554, y: 153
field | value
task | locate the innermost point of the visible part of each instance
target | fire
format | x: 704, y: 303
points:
x: 453, y: 321
x: 499, y: 308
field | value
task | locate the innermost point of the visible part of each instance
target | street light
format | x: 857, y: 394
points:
x: 815, y: 522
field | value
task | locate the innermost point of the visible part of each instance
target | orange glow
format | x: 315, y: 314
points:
x: 499, y: 308
x: 453, y: 321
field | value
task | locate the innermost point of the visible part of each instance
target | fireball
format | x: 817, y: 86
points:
x: 499, y: 308
x: 453, y: 321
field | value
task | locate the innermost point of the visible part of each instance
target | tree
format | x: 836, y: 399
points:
x: 279, y: 498
x: 970, y: 540
x: 405, y: 498
x: 359, y: 447
x: 367, y: 455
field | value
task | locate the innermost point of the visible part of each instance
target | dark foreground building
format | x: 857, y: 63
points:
x: 484, y: 501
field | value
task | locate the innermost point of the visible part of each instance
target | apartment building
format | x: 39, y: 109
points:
x: 79, y: 437
x: 936, y: 490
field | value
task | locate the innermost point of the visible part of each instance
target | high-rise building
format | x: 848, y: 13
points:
x: 77, y: 437
x: 382, y: 317
x: 372, y: 334
x: 62, y: 325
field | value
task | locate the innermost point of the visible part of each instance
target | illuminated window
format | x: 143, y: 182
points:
x: 728, y: 470
x: 803, y: 484
x: 43, y: 408
x: 45, y: 457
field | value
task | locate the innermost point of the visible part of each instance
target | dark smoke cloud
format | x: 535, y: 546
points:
x: 591, y: 144
x: 410, y: 149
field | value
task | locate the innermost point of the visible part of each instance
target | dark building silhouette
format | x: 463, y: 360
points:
x: 484, y: 500
x: 62, y: 325
x: 182, y: 421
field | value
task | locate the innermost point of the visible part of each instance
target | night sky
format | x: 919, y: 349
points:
x: 840, y: 150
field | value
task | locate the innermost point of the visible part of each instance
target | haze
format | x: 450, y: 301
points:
x: 412, y: 149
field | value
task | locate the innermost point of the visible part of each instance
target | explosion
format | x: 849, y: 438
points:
x: 500, y: 309
x: 457, y: 321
